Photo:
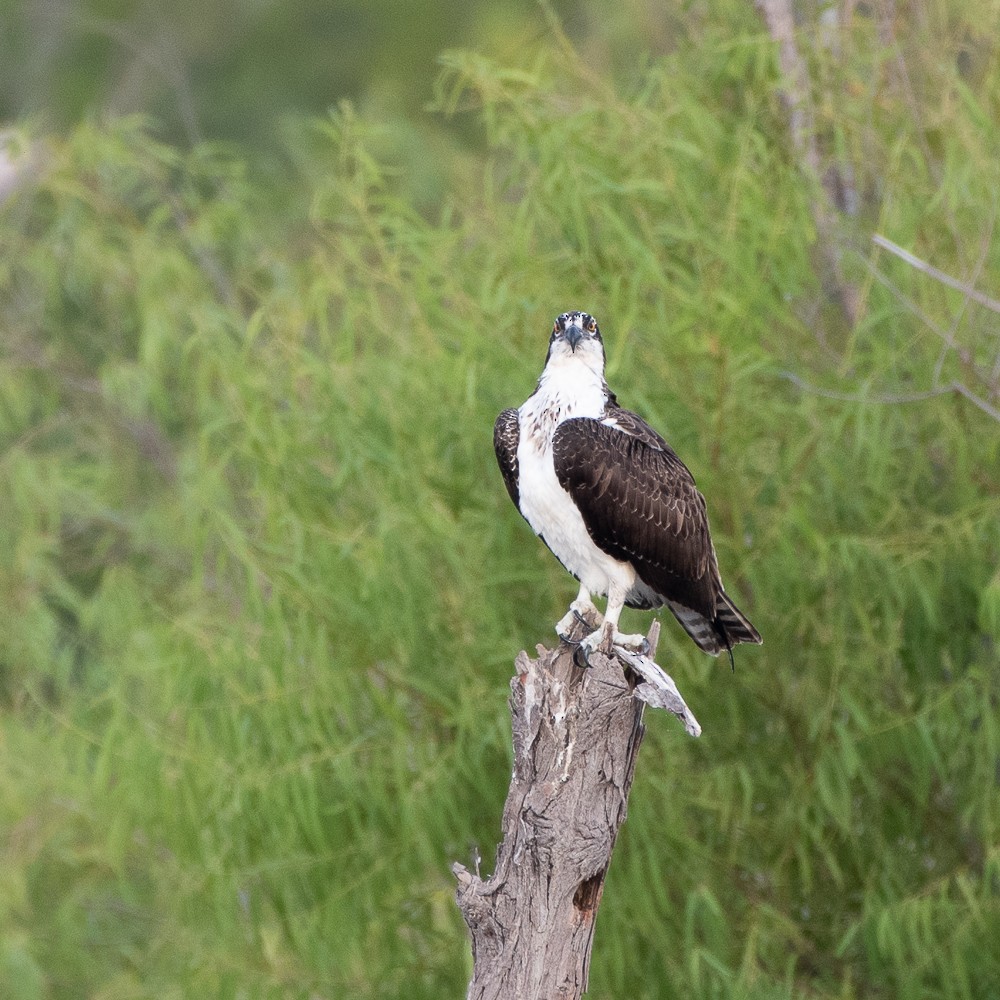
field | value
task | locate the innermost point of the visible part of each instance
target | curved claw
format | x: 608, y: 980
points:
x: 563, y: 627
x: 603, y: 638
x: 578, y: 612
x: 606, y: 642
x: 633, y: 643
x: 588, y: 644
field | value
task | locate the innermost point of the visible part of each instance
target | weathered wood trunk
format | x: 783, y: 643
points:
x: 576, y: 736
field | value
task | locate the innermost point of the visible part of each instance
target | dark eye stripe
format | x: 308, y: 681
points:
x: 585, y: 319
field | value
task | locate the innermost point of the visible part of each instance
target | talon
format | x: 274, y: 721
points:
x: 578, y: 612
x: 563, y: 632
x: 563, y: 627
x: 596, y: 640
x: 633, y: 643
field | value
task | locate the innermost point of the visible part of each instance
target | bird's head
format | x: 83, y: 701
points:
x: 576, y: 337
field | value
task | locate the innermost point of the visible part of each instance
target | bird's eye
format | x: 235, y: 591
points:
x: 592, y: 325
x: 555, y: 329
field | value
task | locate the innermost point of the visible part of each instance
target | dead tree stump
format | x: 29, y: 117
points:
x: 576, y: 736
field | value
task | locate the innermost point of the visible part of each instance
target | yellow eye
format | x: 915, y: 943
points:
x: 592, y: 325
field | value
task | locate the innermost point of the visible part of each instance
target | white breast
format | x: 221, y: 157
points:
x: 547, y: 507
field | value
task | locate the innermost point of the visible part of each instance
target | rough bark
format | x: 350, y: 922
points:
x: 576, y: 735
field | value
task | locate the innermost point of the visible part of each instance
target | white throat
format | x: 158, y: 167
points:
x: 569, y: 387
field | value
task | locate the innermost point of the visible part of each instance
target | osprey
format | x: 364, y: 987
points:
x: 612, y: 500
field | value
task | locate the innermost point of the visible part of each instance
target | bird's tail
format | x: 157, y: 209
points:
x: 729, y: 627
x: 730, y: 620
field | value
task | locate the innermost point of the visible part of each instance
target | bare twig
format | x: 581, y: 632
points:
x: 976, y: 400
x: 948, y: 337
x: 929, y: 269
x: 956, y: 320
x: 911, y: 306
x: 658, y: 689
x: 892, y: 398
x: 971, y: 294
x: 888, y: 398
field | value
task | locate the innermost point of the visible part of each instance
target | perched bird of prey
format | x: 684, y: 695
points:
x: 612, y: 500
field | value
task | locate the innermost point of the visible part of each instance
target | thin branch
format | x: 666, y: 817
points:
x: 911, y: 306
x: 892, y: 398
x: 976, y: 400
x: 970, y: 293
x: 855, y: 397
x: 963, y: 353
x: 936, y: 273
x: 956, y: 322
x: 658, y: 689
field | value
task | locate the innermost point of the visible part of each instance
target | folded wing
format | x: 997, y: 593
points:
x: 506, y: 434
x: 640, y: 504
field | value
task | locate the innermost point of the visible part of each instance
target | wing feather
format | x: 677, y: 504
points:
x: 640, y: 504
x: 506, y: 435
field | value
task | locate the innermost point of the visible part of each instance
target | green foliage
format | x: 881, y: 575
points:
x: 261, y: 586
x: 232, y: 69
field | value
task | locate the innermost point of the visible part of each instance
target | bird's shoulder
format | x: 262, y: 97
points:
x: 506, y: 424
x: 632, y: 424
x: 625, y: 430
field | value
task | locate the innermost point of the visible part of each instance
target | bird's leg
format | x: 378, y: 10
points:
x: 581, y: 610
x: 608, y: 635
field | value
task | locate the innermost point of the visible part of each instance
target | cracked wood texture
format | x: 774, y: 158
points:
x: 576, y: 736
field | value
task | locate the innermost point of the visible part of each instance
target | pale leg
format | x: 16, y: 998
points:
x: 582, y: 608
x: 608, y: 635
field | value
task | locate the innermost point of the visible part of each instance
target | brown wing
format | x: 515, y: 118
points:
x: 640, y: 504
x: 635, y: 426
x: 506, y: 434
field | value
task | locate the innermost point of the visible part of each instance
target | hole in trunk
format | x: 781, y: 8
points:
x: 588, y: 892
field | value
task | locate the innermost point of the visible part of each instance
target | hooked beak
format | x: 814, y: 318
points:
x: 574, y: 334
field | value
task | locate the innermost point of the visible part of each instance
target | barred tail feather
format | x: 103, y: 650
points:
x: 729, y: 627
x: 730, y: 620
x: 701, y: 630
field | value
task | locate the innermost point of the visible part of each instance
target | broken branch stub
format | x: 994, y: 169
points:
x: 576, y: 735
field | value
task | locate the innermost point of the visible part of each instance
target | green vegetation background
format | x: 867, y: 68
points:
x: 261, y: 587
